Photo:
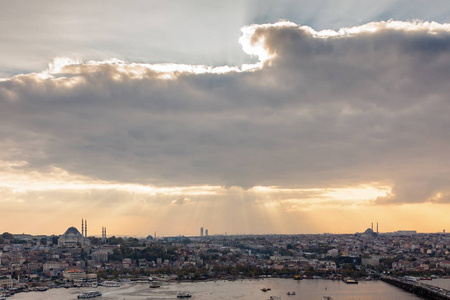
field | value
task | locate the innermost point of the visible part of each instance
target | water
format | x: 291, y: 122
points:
x: 440, y: 282
x: 239, y: 289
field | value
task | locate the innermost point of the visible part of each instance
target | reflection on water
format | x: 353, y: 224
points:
x: 239, y: 289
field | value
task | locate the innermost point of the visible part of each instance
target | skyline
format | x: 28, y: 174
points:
x: 253, y: 117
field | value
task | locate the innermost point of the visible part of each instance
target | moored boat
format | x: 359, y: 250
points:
x: 88, y: 295
x: 183, y: 295
x: 350, y: 281
x: 110, y: 284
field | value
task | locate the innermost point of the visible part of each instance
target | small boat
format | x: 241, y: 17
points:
x: 154, y: 285
x: 274, y: 298
x: 327, y: 298
x: 265, y: 289
x: 184, y: 295
x: 291, y: 293
x: 88, y: 295
x: 350, y: 281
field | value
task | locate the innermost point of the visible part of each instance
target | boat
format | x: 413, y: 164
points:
x: 265, y: 289
x: 154, y: 285
x: 87, y: 295
x: 184, y: 295
x: 110, y: 284
x: 298, y: 277
x: 327, y: 298
x: 274, y: 298
x: 350, y: 281
x: 291, y: 293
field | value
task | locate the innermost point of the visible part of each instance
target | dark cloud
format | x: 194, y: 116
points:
x: 370, y: 105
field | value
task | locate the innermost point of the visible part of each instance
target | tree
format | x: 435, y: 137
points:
x: 7, y: 236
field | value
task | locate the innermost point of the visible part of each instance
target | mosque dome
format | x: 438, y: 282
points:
x: 72, y: 230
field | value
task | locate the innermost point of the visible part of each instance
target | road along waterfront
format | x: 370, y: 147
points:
x: 247, y: 289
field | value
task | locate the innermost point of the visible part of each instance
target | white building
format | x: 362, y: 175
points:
x: 74, y: 274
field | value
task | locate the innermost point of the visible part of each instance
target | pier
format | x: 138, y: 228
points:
x: 424, y: 290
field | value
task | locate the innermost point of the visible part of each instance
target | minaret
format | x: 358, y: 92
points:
x: 372, y: 226
x: 82, y: 227
x: 377, y: 227
x: 85, y: 228
x: 103, y: 235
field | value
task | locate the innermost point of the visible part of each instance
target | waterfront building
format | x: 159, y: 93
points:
x: 6, y: 282
x: 74, y: 274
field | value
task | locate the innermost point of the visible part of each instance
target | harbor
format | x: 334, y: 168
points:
x: 249, y: 289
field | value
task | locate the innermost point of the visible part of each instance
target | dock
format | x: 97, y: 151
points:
x: 418, y: 288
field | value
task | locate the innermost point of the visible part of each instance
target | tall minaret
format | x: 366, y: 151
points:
x: 82, y: 227
x: 377, y: 227
x: 103, y: 235
x: 85, y: 228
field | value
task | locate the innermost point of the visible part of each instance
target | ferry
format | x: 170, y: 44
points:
x: 291, y: 293
x: 110, y: 284
x: 183, y: 295
x: 87, y: 295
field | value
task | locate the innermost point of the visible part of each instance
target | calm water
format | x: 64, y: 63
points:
x: 440, y: 282
x: 244, y: 290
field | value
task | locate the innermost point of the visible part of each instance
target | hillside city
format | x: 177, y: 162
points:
x: 73, y: 259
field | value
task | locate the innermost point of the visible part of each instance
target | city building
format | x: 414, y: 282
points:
x: 6, y: 282
x: 74, y: 275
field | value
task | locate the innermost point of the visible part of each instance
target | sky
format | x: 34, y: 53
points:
x: 241, y: 117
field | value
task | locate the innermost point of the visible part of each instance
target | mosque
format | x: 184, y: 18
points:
x: 73, y: 238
